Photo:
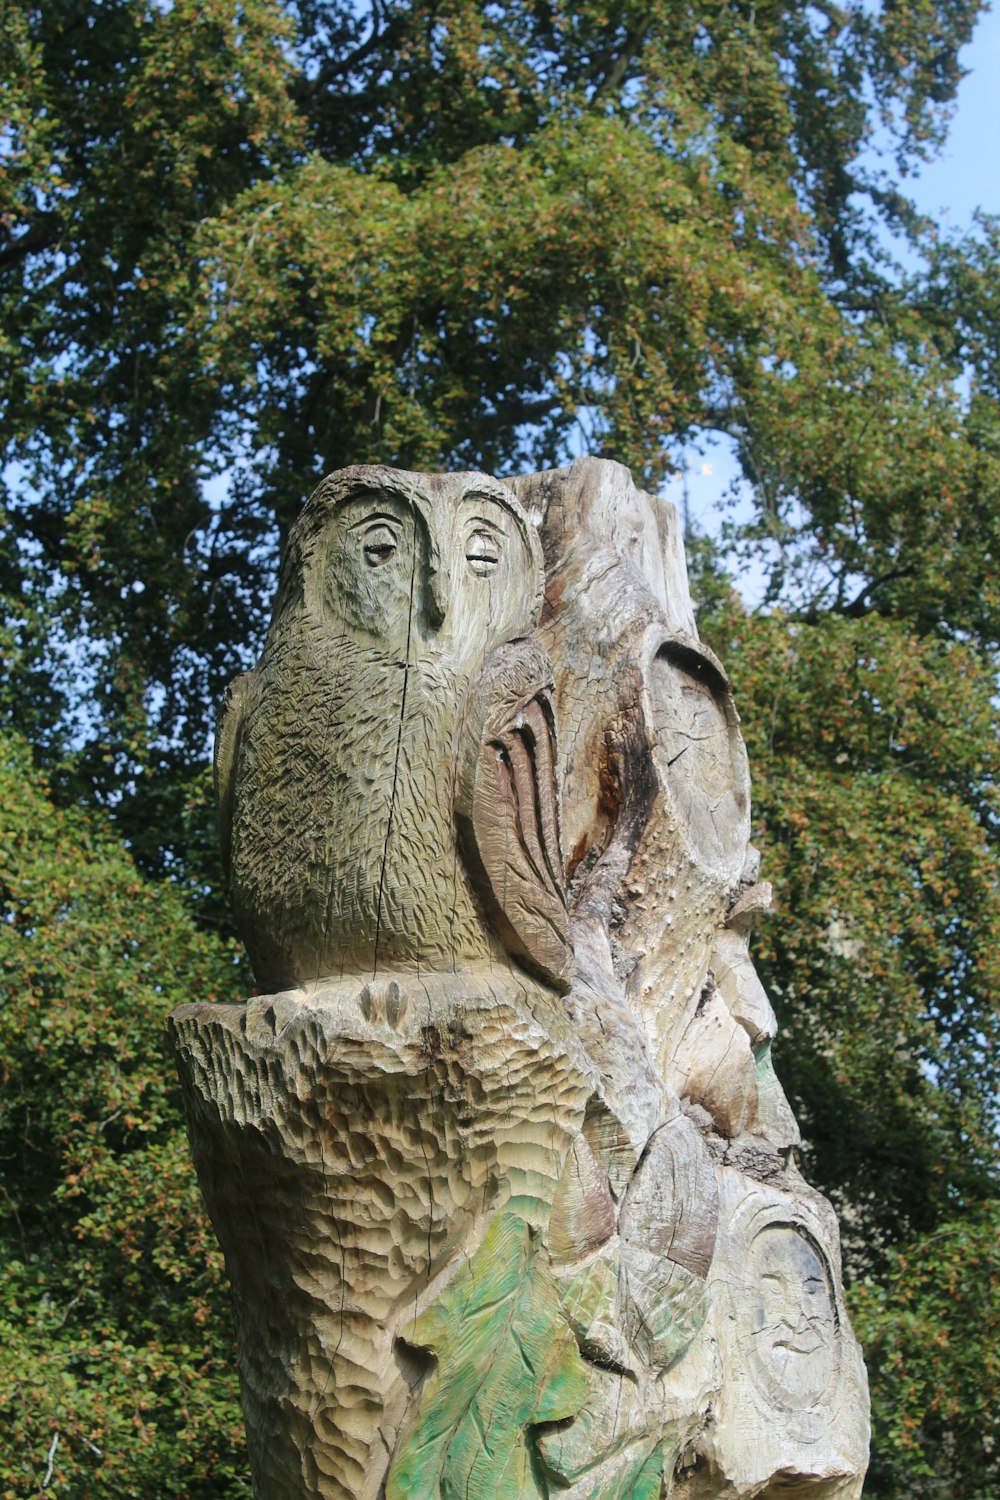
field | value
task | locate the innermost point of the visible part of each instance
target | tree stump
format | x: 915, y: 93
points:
x: 500, y: 1165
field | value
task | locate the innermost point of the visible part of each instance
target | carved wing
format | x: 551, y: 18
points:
x: 228, y: 728
x: 507, y: 808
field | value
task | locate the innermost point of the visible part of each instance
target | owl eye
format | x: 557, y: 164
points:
x: 379, y: 546
x: 482, y: 553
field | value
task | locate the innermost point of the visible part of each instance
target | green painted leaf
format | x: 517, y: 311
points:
x: 648, y: 1483
x: 506, y: 1360
x: 642, y: 1480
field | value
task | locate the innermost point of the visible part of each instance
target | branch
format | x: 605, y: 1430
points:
x: 858, y: 606
x: 40, y: 236
x: 334, y: 69
x: 614, y: 77
x: 50, y: 1464
x: 43, y: 528
x: 362, y: 50
x: 517, y: 409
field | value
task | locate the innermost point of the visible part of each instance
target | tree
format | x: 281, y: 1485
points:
x: 263, y: 240
x: 116, y: 1378
x: 931, y: 1339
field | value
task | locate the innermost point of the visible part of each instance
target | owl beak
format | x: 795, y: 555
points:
x: 437, y: 593
x: 437, y: 588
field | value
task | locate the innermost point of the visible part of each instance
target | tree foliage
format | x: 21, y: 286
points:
x: 932, y: 1341
x: 114, y: 1360
x: 243, y: 242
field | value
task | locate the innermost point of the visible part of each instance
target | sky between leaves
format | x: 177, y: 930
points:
x: 963, y: 178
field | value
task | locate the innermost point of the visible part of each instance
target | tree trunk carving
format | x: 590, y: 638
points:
x: 500, y: 1164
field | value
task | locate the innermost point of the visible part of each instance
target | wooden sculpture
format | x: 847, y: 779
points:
x: 497, y: 1155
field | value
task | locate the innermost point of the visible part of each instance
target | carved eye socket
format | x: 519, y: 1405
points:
x: 380, y: 545
x: 482, y: 553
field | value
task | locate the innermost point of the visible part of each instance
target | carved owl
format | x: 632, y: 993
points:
x: 386, y: 773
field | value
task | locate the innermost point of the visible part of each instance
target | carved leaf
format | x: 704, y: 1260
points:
x: 618, y: 1469
x: 506, y: 1360
x: 644, y: 1481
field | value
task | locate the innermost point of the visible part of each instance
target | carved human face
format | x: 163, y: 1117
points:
x: 794, y: 1330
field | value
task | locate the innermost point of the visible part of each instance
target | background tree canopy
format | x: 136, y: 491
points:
x: 263, y: 240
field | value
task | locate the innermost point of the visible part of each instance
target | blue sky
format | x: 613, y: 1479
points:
x: 964, y: 177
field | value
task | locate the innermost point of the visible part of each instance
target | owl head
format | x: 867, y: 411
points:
x: 413, y: 565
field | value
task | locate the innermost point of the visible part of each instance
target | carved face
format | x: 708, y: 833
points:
x: 700, y: 753
x: 794, y: 1338
x: 423, y: 574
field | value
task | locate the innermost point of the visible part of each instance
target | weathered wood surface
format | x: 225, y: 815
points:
x: 499, y: 1160
x: 353, y: 1144
x: 336, y: 756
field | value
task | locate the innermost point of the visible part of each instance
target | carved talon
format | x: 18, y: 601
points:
x: 383, y: 1002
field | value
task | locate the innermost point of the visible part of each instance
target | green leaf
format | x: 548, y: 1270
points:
x: 506, y: 1360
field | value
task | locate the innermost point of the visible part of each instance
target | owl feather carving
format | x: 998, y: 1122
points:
x: 507, y: 807
x: 386, y: 774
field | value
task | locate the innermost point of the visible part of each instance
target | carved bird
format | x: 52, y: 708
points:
x: 386, y: 774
